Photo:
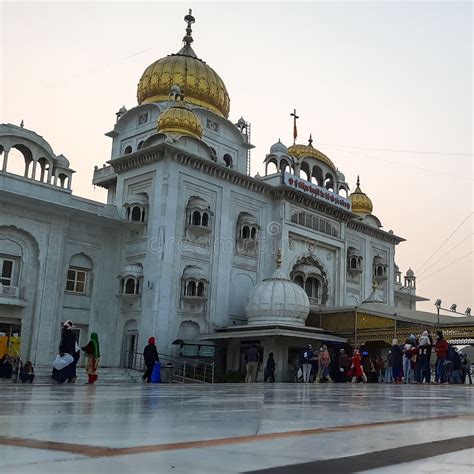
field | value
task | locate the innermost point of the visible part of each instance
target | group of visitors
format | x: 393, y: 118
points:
x: 12, y: 367
x: 407, y: 363
x: 411, y: 362
x: 318, y: 367
x: 69, y: 354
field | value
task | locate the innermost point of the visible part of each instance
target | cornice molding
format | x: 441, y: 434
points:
x: 373, y: 232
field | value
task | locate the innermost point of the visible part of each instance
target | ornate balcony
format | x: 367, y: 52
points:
x: 12, y: 296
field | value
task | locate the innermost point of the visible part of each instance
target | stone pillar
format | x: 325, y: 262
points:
x: 50, y: 172
x: 33, y: 172
x: 5, y: 160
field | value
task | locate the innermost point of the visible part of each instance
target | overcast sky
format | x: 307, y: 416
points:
x: 392, y: 76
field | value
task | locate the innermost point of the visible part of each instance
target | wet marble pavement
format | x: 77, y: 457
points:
x: 236, y: 428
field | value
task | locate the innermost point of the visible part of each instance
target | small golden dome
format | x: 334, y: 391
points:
x: 301, y: 151
x: 201, y: 84
x: 180, y: 120
x: 361, y: 203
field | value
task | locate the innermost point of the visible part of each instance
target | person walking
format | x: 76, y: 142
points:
x: 150, y: 356
x: 388, y: 376
x: 407, y: 355
x: 466, y: 369
x: 252, y: 364
x: 441, y: 349
x: 456, y: 364
x: 324, y: 361
x: 423, y: 362
x: 67, y: 345
x: 344, y: 365
x: 397, y: 361
x: 379, y: 367
x: 93, y: 356
x: 357, y: 368
x: 308, y: 354
x: 270, y: 369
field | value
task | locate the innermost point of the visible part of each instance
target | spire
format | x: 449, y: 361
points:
x: 278, y: 259
x: 358, y: 181
x: 187, y: 50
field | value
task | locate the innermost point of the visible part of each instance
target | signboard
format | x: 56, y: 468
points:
x: 316, y: 191
x: 207, y: 351
x: 189, y: 350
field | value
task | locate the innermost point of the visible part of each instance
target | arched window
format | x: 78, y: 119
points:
x: 312, y: 287
x: 353, y: 263
x: 128, y: 150
x: 130, y: 286
x: 299, y: 280
x: 136, y: 214
x: 380, y: 271
x: 205, y: 219
x: 200, y: 289
x: 228, y: 160
x: 191, y: 288
x: 140, y: 144
x: 196, y: 219
x: 254, y: 233
x: 245, y: 232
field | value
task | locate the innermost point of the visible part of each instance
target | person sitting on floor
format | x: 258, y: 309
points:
x: 6, y: 367
x: 27, y: 373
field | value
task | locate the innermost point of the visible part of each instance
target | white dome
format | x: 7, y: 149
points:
x: 277, y: 300
x: 340, y: 176
x: 62, y: 161
x: 410, y: 273
x: 279, y: 148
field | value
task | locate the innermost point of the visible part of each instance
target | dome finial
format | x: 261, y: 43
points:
x: 187, y: 50
x: 278, y: 258
x: 189, y: 19
x: 358, y: 181
x: 310, y: 141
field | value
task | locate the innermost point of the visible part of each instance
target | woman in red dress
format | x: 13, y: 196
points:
x: 356, y: 367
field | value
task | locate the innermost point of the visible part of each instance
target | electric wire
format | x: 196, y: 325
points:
x: 401, y: 151
x: 405, y: 165
x: 447, y: 238
x: 446, y: 254
x: 446, y: 266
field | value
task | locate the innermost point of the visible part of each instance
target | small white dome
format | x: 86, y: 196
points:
x: 134, y: 269
x: 277, y: 300
x: 279, y: 148
x: 193, y: 271
x: 410, y: 273
x: 62, y: 161
x: 340, y: 177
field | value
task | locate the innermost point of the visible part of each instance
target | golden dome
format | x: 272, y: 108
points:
x: 301, y: 151
x: 361, y: 203
x: 201, y: 84
x: 180, y: 120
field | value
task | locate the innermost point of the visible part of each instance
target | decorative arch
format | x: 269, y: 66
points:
x: 312, y: 260
x: 189, y: 330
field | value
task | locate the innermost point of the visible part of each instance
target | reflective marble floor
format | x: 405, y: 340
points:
x: 280, y: 428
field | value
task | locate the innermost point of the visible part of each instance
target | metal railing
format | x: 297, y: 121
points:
x: 183, y: 370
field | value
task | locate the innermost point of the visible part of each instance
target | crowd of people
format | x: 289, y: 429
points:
x: 410, y: 362
x: 11, y: 367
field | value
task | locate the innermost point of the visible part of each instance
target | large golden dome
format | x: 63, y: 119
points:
x: 201, y: 84
x: 361, y: 203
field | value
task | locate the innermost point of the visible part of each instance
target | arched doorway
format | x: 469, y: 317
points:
x: 129, y: 344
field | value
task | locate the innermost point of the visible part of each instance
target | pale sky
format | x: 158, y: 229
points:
x: 382, y: 75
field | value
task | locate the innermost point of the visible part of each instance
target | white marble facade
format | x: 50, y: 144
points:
x: 184, y: 237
